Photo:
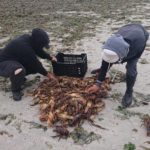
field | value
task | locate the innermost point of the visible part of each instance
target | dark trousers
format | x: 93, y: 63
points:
x: 7, y: 69
x: 132, y: 68
x: 131, y: 75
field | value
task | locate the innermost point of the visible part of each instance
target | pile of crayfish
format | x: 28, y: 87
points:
x: 64, y: 101
x: 146, y: 120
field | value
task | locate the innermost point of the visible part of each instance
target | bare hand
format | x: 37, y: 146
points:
x: 51, y: 76
x: 54, y: 59
x: 93, y: 89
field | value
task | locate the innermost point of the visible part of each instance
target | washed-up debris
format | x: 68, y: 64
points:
x: 116, y: 95
x: 36, y: 125
x: 126, y: 114
x: 17, y: 125
x: 64, y: 102
x: 5, y: 84
x: 35, y: 102
x: 144, y: 147
x: 117, y: 76
x: 29, y: 83
x: 140, y: 99
x: 129, y: 146
x: 81, y: 136
x: 134, y: 130
x: 144, y: 61
x: 146, y: 121
x: 148, y: 142
x: 48, y: 145
x: 8, y: 118
x: 62, y: 132
x: 100, y: 119
x: 5, y: 133
x: 145, y: 103
x: 147, y: 48
x: 3, y: 116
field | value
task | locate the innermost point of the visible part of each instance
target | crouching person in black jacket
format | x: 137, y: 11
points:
x: 126, y: 45
x: 19, y: 58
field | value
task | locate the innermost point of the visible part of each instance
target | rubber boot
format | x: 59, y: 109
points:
x: 25, y: 79
x: 16, y: 83
x: 127, y: 98
x: 17, y: 95
x: 95, y: 71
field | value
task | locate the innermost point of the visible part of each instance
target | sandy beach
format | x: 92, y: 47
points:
x: 19, y: 121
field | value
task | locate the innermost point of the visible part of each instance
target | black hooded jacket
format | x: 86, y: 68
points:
x: 25, y: 50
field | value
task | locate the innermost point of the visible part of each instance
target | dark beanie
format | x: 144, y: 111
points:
x: 40, y: 38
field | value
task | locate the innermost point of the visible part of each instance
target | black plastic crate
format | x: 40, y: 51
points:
x: 70, y: 65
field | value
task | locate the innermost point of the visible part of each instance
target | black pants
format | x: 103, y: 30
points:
x: 7, y: 69
x: 132, y: 68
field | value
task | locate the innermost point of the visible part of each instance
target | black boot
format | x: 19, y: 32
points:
x: 95, y: 71
x: 127, y: 98
x: 17, y: 95
x: 25, y: 79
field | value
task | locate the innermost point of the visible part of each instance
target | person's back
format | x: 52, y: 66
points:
x: 136, y: 36
x: 16, y: 49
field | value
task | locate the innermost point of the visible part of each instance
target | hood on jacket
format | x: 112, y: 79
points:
x: 39, y: 38
x: 117, y: 44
